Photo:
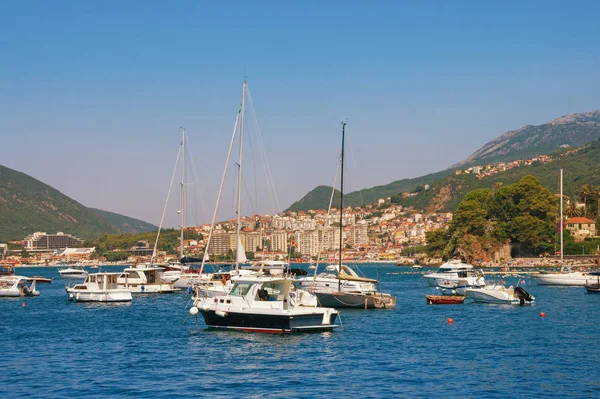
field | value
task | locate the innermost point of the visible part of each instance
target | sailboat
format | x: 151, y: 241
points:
x: 259, y: 302
x: 339, y: 285
x: 566, y: 276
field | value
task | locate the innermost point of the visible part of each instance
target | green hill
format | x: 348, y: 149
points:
x: 28, y: 205
x: 579, y: 168
x: 318, y: 198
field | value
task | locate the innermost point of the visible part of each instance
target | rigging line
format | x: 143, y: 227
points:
x: 249, y: 136
x: 212, y: 225
x: 252, y: 206
x: 165, y: 208
x: 263, y: 152
x: 362, y: 202
x: 337, y: 171
x: 196, y: 181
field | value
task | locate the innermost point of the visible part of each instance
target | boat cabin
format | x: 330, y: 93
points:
x: 99, y: 282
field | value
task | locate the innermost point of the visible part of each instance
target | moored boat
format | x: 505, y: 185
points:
x: 593, y: 286
x: 143, y: 279
x: 98, y: 287
x: 17, y: 286
x: 499, y: 294
x: 264, y: 304
x: 444, y: 299
x: 73, y: 272
x: 455, y: 270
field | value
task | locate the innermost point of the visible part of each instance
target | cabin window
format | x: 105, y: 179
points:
x: 462, y: 274
x: 273, y: 289
x: 240, y: 289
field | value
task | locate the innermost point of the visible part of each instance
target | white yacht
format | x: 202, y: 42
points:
x: 454, y: 271
x: 16, y: 286
x: 73, y: 272
x: 143, y: 279
x: 98, y: 287
x: 565, y: 277
x: 264, y: 304
x: 498, y: 293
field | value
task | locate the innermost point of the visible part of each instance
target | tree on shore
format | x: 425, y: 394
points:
x: 523, y: 213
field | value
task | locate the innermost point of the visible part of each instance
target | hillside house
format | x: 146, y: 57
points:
x: 581, y: 228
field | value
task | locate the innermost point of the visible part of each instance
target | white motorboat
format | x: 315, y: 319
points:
x: 327, y: 281
x: 566, y: 277
x: 98, y: 287
x: 265, y: 304
x: 17, y: 286
x: 143, y: 279
x: 498, y: 293
x: 73, y: 272
x: 454, y: 271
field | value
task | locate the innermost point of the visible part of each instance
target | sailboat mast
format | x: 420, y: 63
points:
x: 561, y: 218
x: 239, y: 185
x: 341, y: 204
x: 181, y: 212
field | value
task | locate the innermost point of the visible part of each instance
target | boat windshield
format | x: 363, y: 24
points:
x: 240, y: 289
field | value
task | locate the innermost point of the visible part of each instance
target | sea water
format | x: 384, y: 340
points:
x: 52, y: 348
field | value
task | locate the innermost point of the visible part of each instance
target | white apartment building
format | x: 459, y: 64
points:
x: 279, y: 241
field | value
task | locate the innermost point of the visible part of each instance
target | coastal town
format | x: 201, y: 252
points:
x: 383, y: 231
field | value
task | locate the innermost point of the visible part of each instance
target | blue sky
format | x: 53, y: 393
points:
x: 92, y: 94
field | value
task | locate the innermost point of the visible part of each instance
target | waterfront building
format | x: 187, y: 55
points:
x: 40, y: 241
x: 279, y: 241
x: 252, y: 240
x: 307, y: 242
x: 357, y: 235
x: 221, y: 243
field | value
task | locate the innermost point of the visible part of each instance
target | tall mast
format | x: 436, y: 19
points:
x: 239, y: 185
x: 341, y: 204
x: 181, y: 211
x: 561, y: 218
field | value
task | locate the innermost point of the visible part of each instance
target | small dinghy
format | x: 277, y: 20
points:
x: 444, y: 299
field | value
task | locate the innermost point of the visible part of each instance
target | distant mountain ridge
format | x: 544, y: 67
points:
x: 574, y: 130
x: 28, y: 205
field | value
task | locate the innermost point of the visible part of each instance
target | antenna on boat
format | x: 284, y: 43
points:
x: 341, y: 204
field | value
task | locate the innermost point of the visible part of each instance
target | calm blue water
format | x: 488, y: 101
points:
x: 52, y: 348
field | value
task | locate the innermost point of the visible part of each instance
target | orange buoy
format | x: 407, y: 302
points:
x: 542, y: 314
x: 450, y: 320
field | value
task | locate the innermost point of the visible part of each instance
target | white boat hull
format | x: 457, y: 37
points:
x: 576, y: 279
x: 114, y: 296
x: 495, y: 294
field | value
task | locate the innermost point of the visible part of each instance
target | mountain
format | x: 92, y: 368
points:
x: 124, y: 224
x: 28, y: 205
x: 573, y: 130
x: 318, y: 198
x: 579, y: 168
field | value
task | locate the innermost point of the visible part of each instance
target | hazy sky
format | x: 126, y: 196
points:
x: 92, y: 94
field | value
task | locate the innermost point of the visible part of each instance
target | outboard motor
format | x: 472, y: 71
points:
x: 523, y: 295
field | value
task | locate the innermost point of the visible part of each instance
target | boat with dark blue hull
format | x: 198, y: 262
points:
x: 593, y: 286
x: 264, y: 303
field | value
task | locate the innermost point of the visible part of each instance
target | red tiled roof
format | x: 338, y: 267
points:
x: 580, y: 220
